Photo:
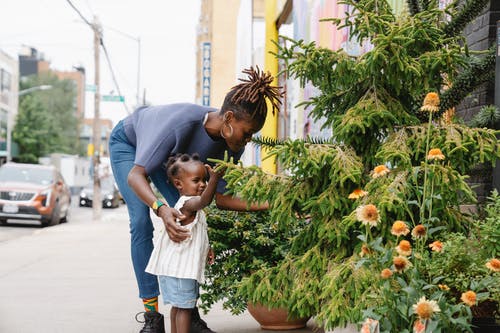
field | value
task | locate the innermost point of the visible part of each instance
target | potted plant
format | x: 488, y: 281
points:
x: 423, y: 284
x: 375, y: 164
x: 245, y: 243
x: 470, y: 262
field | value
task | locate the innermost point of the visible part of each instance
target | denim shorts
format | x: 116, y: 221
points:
x: 181, y: 293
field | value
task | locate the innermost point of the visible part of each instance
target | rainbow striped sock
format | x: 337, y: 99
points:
x: 150, y: 304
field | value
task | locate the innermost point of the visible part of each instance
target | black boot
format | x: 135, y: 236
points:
x: 198, y: 325
x: 153, y: 322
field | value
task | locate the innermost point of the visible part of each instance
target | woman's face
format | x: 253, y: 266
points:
x: 243, y: 130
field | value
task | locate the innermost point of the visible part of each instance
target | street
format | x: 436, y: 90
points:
x: 19, y: 228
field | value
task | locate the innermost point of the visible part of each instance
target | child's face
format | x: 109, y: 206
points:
x: 191, y: 179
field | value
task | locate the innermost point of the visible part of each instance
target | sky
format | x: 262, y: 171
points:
x: 166, y: 30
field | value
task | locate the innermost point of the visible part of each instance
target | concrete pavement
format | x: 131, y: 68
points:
x: 77, y: 278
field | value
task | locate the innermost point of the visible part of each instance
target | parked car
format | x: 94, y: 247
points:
x: 110, y: 194
x: 33, y: 192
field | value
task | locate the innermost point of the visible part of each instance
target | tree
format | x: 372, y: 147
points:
x: 373, y: 104
x: 48, y: 116
x: 31, y: 130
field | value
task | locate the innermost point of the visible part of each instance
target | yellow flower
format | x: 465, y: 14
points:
x: 357, y: 193
x: 399, y: 228
x: 431, y: 102
x: 436, y: 246
x: 443, y: 287
x: 404, y: 248
x: 379, y: 171
x: 435, y: 154
x: 469, y: 298
x: 419, y: 231
x: 425, y: 308
x: 401, y: 263
x: 368, y: 215
x: 386, y: 273
x: 494, y: 265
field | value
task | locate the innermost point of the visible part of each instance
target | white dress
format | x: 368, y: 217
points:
x: 186, y: 259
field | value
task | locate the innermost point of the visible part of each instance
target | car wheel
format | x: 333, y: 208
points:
x: 3, y: 221
x: 45, y: 223
x: 65, y: 218
x: 54, y: 218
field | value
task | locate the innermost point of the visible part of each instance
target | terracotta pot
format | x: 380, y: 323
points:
x: 350, y: 328
x: 275, y: 319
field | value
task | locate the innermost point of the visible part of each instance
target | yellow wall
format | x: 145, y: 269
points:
x: 270, y: 128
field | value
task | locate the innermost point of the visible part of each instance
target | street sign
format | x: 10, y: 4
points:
x: 90, y: 87
x: 113, y: 98
x: 207, y: 49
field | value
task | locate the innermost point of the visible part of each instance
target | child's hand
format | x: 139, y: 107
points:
x: 212, y: 172
x: 211, y: 256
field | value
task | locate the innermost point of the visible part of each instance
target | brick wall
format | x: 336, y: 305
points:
x: 480, y: 34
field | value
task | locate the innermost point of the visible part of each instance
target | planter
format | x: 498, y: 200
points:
x: 485, y: 325
x: 350, y: 328
x: 275, y: 319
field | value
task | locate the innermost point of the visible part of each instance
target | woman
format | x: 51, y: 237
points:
x: 141, y: 143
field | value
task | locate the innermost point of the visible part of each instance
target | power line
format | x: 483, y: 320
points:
x: 113, y: 75
x: 101, y: 42
x: 80, y: 14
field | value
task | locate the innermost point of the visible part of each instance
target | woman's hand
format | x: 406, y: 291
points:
x: 169, y: 215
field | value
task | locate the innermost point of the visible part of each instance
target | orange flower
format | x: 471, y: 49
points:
x: 357, y: 193
x: 404, y: 248
x: 401, y: 263
x: 419, y: 231
x: 419, y: 326
x: 494, y: 265
x: 380, y: 170
x: 436, y: 246
x: 386, y: 273
x: 469, y: 298
x: 443, y: 287
x: 435, y: 154
x: 431, y: 102
x: 399, y: 228
x: 368, y: 215
x: 425, y: 308
x: 365, y: 250
x: 369, y: 325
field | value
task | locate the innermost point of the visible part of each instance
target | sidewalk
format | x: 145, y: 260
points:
x: 77, y: 278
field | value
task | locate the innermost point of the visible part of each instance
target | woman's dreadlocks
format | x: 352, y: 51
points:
x: 249, y: 97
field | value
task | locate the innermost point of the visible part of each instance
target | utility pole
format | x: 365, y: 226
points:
x: 138, y: 96
x: 96, y: 131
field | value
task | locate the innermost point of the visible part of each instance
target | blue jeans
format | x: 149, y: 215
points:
x: 122, y: 155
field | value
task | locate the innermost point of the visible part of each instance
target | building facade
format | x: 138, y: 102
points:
x: 9, y: 78
x: 230, y: 38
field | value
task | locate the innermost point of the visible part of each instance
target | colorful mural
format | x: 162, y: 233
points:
x: 307, y: 25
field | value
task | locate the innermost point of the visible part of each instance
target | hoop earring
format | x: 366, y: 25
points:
x: 222, y: 131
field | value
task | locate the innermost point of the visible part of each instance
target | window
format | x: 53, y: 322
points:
x: 3, y: 130
x: 5, y: 80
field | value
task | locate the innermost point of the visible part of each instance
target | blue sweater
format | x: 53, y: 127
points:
x: 158, y: 132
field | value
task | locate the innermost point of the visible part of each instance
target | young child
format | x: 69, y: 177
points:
x: 181, y: 266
